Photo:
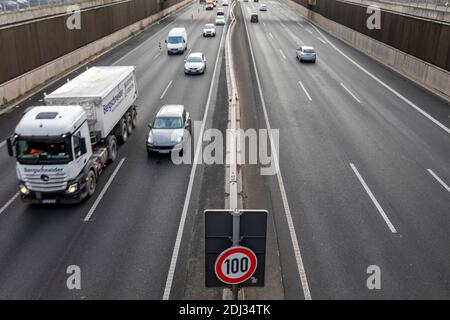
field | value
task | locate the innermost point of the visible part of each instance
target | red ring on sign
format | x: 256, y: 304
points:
x: 228, y: 252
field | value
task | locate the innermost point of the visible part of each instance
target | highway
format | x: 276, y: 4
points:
x: 364, y: 176
x: 356, y: 163
x: 124, y: 250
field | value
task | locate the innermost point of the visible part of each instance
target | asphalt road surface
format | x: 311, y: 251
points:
x: 125, y: 249
x: 355, y: 161
x: 363, y: 180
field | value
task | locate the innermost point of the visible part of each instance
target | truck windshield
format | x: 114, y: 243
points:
x: 175, y: 40
x: 34, y: 152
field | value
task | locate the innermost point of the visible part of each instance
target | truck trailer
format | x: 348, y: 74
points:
x: 62, y: 147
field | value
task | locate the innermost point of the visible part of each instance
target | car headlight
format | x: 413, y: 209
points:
x: 23, y: 189
x: 72, y: 188
x: 150, y: 138
x: 179, y: 140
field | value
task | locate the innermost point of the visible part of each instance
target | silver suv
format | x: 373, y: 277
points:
x: 169, y: 131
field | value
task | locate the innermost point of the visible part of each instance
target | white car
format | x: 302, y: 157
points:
x: 209, y: 30
x: 305, y: 53
x: 170, y: 130
x: 195, y: 63
x: 224, y: 2
x: 262, y: 7
x: 220, y: 20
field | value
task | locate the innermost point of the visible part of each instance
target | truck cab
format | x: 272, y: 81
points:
x: 62, y: 148
x: 51, y: 150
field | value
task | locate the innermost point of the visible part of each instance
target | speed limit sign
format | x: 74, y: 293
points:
x: 235, y: 265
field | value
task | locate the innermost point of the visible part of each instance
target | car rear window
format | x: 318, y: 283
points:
x: 308, y: 51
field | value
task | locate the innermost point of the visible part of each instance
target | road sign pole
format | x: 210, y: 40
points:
x: 236, y: 241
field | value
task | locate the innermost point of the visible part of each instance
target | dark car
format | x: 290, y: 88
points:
x: 254, y: 17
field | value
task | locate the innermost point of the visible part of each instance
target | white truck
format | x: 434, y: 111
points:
x: 61, y: 148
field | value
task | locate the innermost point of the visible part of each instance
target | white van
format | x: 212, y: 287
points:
x: 177, y: 41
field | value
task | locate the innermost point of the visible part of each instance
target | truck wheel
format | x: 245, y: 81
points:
x: 111, y: 142
x: 123, y: 131
x: 134, y: 117
x: 91, y: 183
x: 129, y: 119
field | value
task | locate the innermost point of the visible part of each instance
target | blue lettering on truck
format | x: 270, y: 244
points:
x: 42, y: 170
x: 112, y: 104
x: 129, y: 85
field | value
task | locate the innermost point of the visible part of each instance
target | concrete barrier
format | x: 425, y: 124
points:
x: 411, y: 9
x: 38, y: 12
x: 428, y: 76
x: 35, y: 79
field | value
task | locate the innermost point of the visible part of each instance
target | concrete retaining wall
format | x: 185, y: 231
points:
x: 34, y: 13
x: 35, y: 79
x: 411, y: 9
x: 426, y: 75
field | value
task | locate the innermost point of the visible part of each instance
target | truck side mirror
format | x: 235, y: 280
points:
x: 10, y: 146
x: 150, y: 125
x: 83, y: 148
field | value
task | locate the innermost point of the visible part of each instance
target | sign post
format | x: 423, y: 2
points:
x: 236, y: 217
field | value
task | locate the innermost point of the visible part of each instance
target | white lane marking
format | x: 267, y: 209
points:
x: 176, y: 248
x: 304, y: 89
x: 374, y: 200
x: 2, y: 209
x: 446, y: 187
x: 282, y: 54
x: 287, y: 210
x: 271, y: 35
x: 156, y: 56
x: 165, y: 90
x: 102, y: 194
x: 264, y: 24
x: 2, y: 144
x: 296, y: 39
x: 407, y: 101
x: 350, y: 93
x: 302, y: 26
x: 321, y: 40
x: 309, y: 30
x: 153, y: 36
x: 143, y: 43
